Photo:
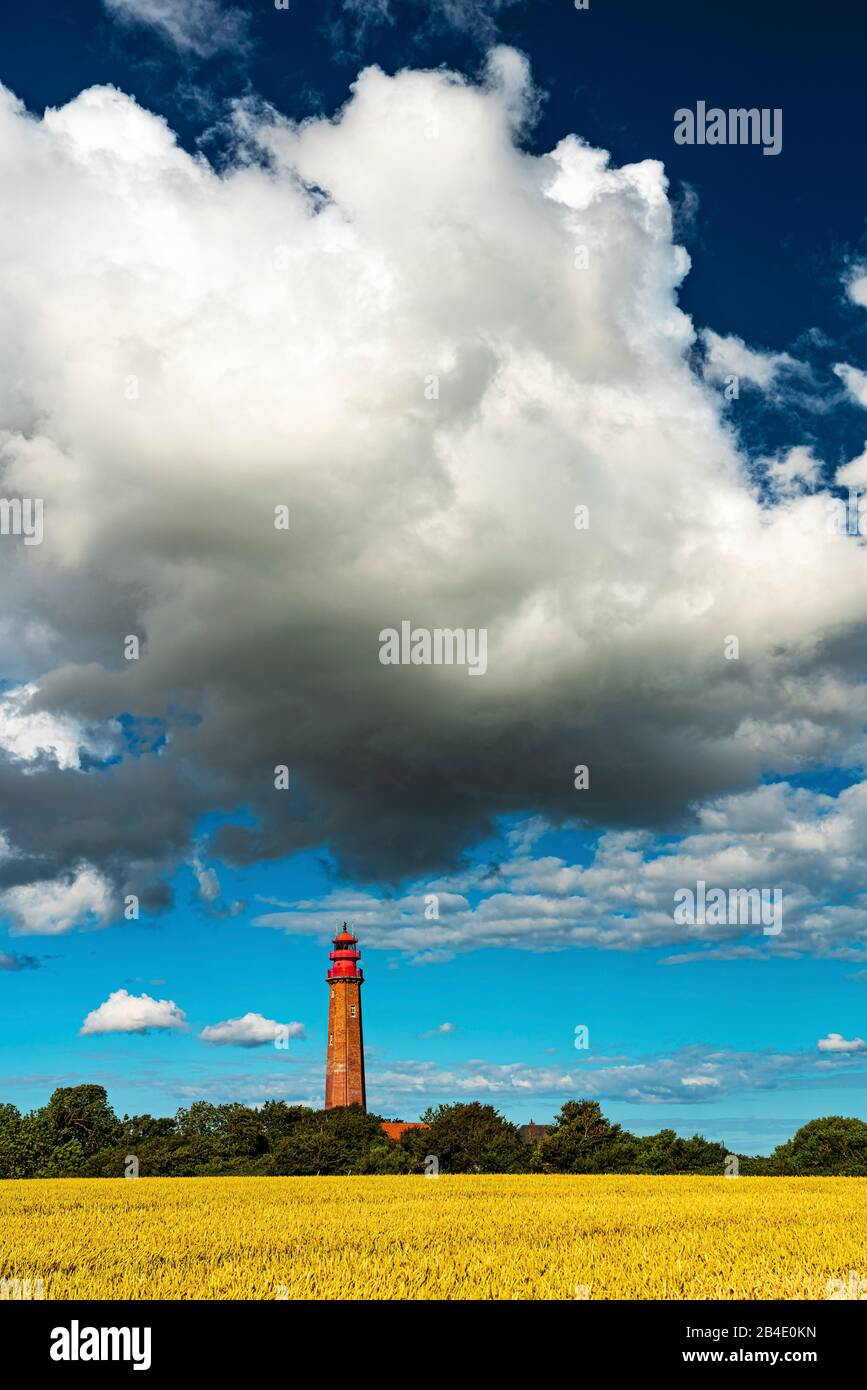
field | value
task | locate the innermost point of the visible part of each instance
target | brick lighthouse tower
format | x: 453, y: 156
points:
x: 344, y: 1070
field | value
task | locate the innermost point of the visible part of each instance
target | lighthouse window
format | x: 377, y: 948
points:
x: 331, y: 1041
x: 352, y: 1011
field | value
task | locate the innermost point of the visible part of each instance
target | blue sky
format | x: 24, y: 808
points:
x: 174, y: 388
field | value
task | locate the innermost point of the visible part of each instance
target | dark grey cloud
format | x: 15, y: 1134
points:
x: 13, y: 960
x: 416, y: 361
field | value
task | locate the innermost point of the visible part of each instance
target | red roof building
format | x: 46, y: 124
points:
x: 395, y: 1128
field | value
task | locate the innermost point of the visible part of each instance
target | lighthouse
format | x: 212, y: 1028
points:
x: 344, y: 1068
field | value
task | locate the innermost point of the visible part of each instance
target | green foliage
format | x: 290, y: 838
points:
x: 80, y: 1114
x: 66, y: 1161
x: 665, y: 1152
x: 469, y: 1138
x: 699, y: 1155
x: 328, y: 1142
x: 201, y: 1118
x: 385, y: 1157
x: 18, y: 1152
x: 277, y: 1118
x: 77, y: 1134
x: 582, y: 1140
x: 833, y: 1144
x: 144, y: 1129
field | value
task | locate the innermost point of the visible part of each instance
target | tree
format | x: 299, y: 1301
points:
x: 328, y: 1142
x: 201, y: 1118
x: 18, y: 1156
x: 467, y: 1138
x: 79, y: 1114
x: 582, y: 1140
x: 66, y: 1161
x: 657, y: 1153
x: 78, y: 1134
x: 386, y: 1158
x: 145, y: 1129
x: 666, y: 1152
x: 241, y: 1133
x: 832, y: 1145
x: 277, y: 1118
x: 700, y: 1155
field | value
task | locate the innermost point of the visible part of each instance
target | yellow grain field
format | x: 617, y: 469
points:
x: 444, y: 1238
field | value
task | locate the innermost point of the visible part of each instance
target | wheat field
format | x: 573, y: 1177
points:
x: 444, y: 1238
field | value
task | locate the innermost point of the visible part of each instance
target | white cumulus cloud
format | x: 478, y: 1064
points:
x: 133, y: 1013
x: 856, y: 287
x: 808, y: 845
x: 251, y: 1030
x: 835, y: 1042
x: 854, y: 380
x: 730, y: 356
x: 52, y: 907
x: 28, y: 733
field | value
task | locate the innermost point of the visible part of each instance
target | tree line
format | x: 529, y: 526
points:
x: 77, y: 1134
